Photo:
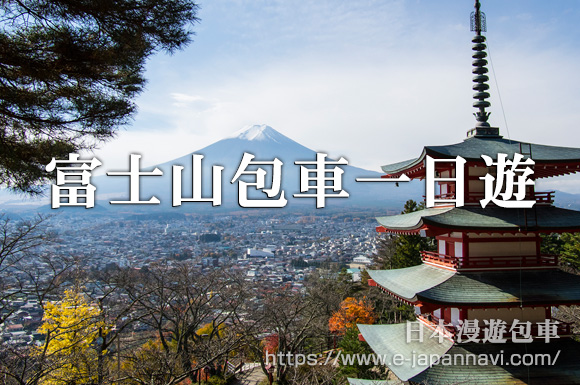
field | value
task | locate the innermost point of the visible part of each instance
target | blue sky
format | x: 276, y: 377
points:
x: 373, y: 81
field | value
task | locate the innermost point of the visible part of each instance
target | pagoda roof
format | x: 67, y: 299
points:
x: 472, y: 148
x: 394, y: 168
x: 461, y: 363
x: 540, y: 218
x: 407, y: 282
x: 390, y: 340
x: 526, y: 287
x: 564, y: 370
x: 439, y: 286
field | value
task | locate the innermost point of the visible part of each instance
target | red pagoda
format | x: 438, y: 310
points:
x: 487, y: 291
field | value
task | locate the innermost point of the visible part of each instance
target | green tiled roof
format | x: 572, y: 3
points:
x: 395, y: 167
x: 565, y: 371
x: 499, y: 287
x: 409, y: 281
x: 473, y: 148
x: 434, y: 285
x: 390, y: 340
x: 549, y: 218
x: 458, y: 366
x: 358, y: 381
x: 410, y: 221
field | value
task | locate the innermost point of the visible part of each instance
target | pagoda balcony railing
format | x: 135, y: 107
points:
x: 542, y: 260
x: 440, y: 259
x: 541, y: 197
x: 562, y: 328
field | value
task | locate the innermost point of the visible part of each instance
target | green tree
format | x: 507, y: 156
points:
x: 351, y: 345
x: 571, y: 249
x: 70, y: 71
x: 565, y: 245
x: 551, y: 243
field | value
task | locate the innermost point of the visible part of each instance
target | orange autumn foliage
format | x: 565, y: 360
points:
x: 270, y: 344
x: 352, y: 311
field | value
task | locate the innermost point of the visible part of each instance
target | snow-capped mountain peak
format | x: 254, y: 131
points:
x: 258, y: 132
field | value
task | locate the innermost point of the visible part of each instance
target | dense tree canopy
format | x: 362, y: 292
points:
x: 566, y: 246
x: 571, y: 249
x: 69, y: 73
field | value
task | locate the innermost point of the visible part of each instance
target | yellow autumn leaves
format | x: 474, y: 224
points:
x: 71, y: 327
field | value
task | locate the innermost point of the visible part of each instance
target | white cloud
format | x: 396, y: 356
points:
x: 373, y: 81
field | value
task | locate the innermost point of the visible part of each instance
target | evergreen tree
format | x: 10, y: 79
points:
x: 351, y: 345
x: 69, y: 74
x: 565, y: 245
x: 551, y: 244
x: 571, y: 250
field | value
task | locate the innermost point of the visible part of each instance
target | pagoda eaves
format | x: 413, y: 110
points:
x: 550, y: 160
x: 424, y: 284
x: 439, y: 220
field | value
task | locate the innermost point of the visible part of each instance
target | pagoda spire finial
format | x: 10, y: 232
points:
x: 478, y: 25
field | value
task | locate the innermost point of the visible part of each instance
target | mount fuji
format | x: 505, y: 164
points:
x: 260, y: 140
x: 266, y: 144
